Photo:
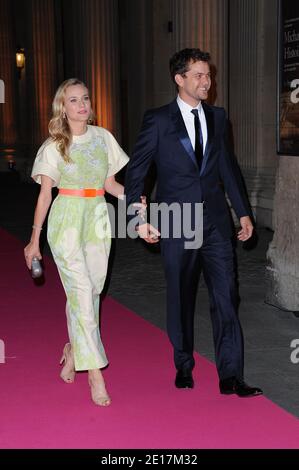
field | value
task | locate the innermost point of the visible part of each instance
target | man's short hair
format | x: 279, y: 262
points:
x: 180, y: 61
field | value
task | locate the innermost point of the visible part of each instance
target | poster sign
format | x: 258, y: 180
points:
x: 288, y: 78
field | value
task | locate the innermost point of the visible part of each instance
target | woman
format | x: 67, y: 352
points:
x: 81, y: 160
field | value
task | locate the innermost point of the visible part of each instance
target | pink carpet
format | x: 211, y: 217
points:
x: 38, y: 410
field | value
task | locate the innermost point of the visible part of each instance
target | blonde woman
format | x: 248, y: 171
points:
x: 81, y: 160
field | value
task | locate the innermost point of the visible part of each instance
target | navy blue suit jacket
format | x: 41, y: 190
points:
x: 164, y: 139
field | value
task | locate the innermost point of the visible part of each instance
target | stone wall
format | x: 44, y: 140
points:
x: 283, y: 253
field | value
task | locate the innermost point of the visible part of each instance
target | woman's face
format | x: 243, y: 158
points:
x: 77, y: 105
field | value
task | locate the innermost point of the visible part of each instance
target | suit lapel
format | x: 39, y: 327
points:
x: 211, y: 129
x: 182, y: 133
x: 181, y: 130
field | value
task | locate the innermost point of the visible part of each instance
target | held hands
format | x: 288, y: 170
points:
x: 31, y: 251
x: 142, y: 207
x: 246, y: 230
x: 146, y: 231
x: 149, y: 233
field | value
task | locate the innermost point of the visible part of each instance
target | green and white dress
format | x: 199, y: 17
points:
x: 79, y: 233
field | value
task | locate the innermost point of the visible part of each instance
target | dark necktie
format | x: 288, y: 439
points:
x: 198, y: 139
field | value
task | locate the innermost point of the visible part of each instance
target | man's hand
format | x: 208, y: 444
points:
x: 246, y: 230
x: 149, y: 233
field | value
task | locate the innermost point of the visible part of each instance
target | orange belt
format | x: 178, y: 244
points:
x: 82, y: 192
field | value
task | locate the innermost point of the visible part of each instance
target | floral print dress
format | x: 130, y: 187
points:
x: 79, y: 233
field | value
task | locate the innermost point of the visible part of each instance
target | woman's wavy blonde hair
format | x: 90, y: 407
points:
x: 59, y: 128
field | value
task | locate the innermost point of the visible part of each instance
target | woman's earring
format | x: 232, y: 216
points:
x: 63, y: 115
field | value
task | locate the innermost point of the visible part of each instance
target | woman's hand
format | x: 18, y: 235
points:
x: 146, y: 231
x: 142, y: 207
x: 31, y: 251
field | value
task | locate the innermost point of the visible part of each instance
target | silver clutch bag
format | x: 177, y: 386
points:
x: 36, y: 268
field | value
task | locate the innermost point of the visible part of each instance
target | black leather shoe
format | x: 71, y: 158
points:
x: 232, y: 385
x: 184, y: 379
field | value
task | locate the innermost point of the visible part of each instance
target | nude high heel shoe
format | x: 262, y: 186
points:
x: 99, y: 393
x: 68, y: 371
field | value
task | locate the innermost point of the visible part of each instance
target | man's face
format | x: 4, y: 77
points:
x: 194, y: 85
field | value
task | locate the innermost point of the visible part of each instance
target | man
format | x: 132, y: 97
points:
x: 187, y: 140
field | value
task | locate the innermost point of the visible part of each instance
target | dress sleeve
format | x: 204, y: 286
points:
x: 117, y: 158
x: 46, y: 163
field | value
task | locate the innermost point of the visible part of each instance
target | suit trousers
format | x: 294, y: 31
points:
x: 215, y: 258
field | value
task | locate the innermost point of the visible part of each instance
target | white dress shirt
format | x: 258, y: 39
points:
x: 188, y: 117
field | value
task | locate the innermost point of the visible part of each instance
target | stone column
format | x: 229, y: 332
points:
x: 91, y: 53
x: 252, y: 98
x: 204, y: 24
x: 283, y: 253
x: 103, y: 62
x: 163, y: 36
x: 8, y: 74
x: 136, y: 65
x: 152, y: 30
x: 40, y: 68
